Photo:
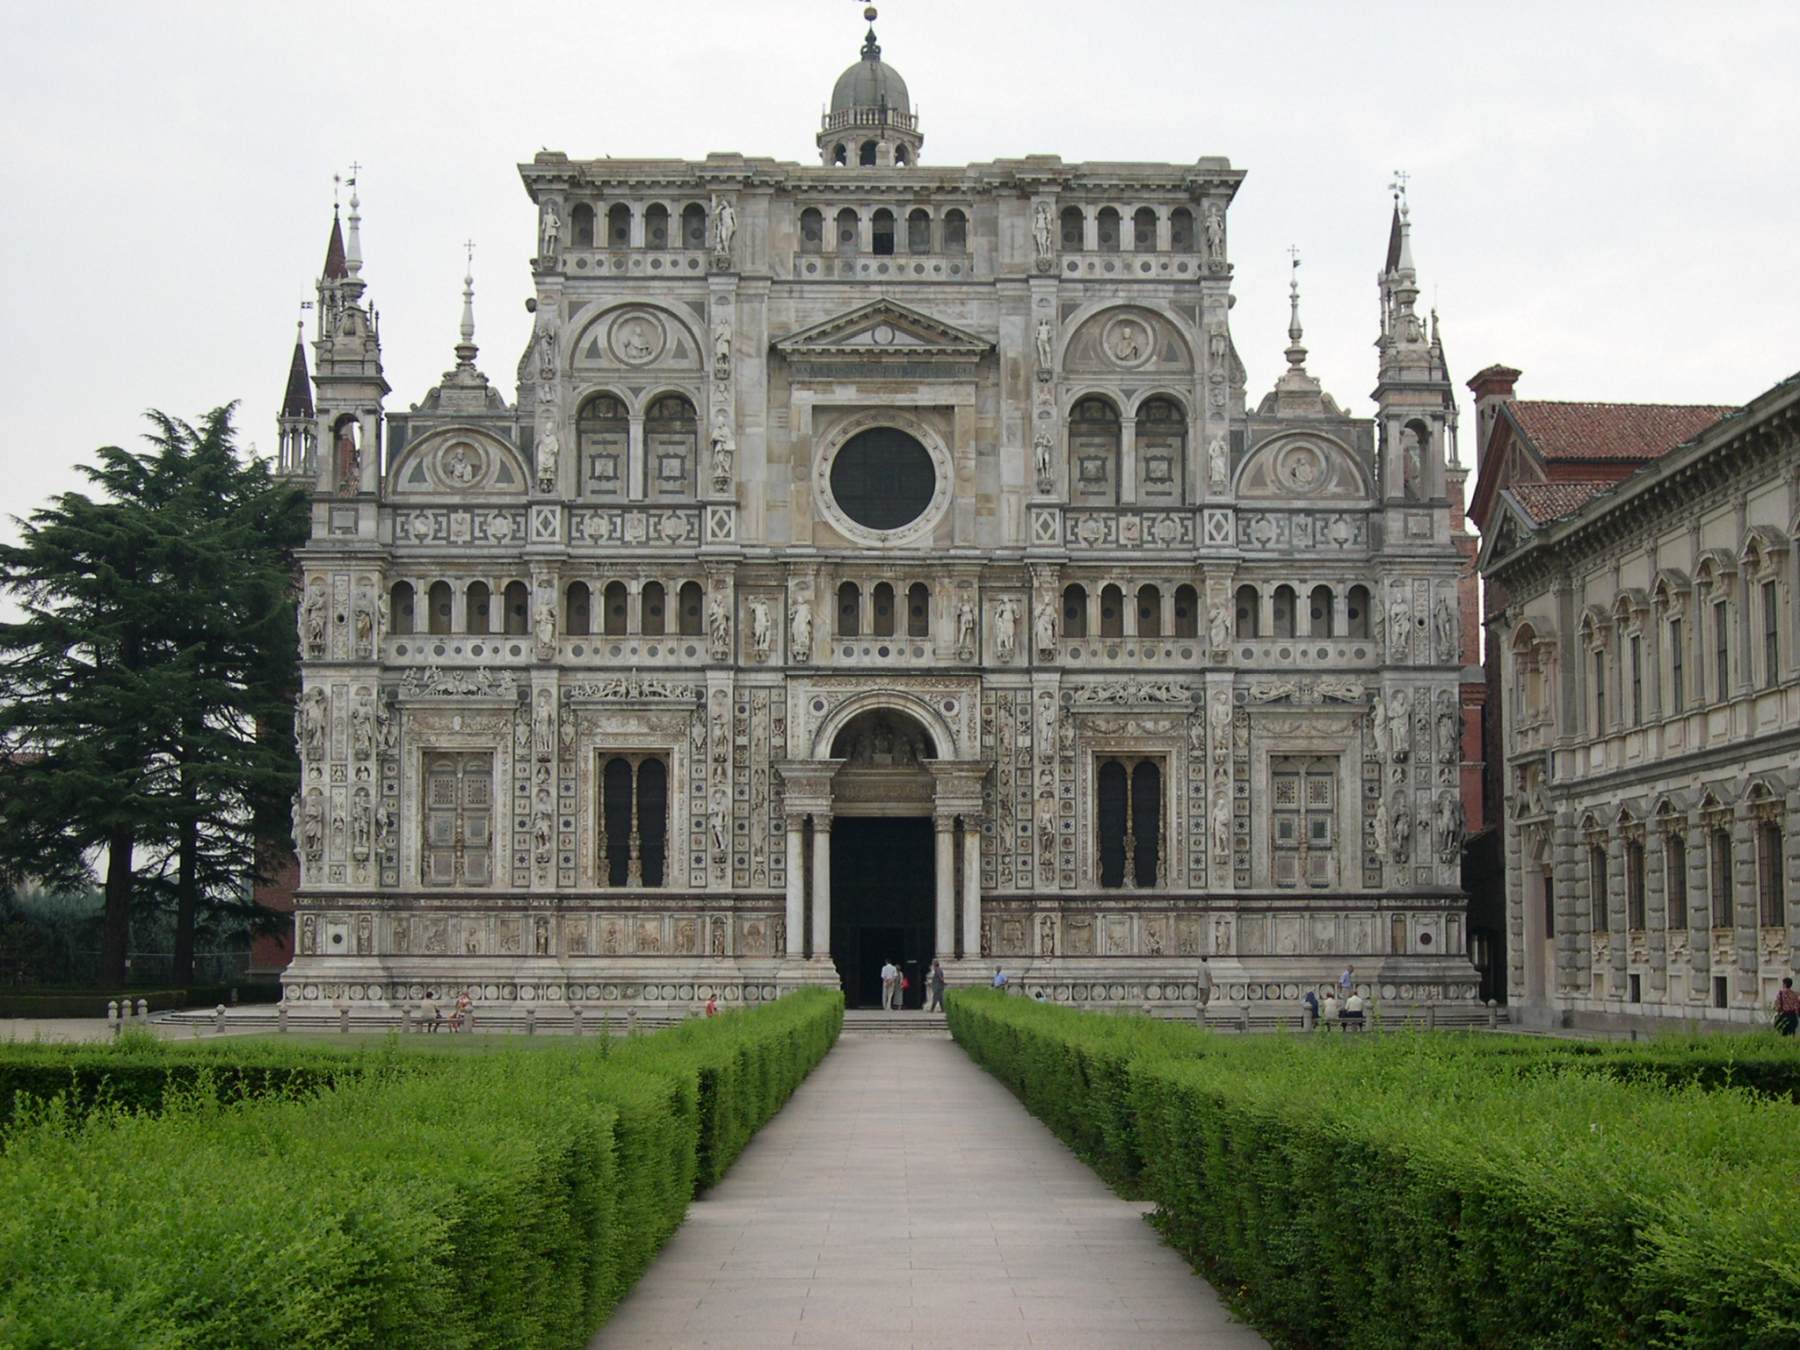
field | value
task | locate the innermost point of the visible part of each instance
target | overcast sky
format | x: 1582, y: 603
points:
x: 1604, y: 194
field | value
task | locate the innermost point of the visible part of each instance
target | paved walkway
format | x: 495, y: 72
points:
x: 905, y: 1198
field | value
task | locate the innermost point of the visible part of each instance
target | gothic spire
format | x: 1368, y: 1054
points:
x: 353, y: 259
x: 297, y: 402
x: 465, y: 350
x: 334, y: 269
x: 1296, y: 351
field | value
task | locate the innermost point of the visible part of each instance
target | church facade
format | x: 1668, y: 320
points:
x: 877, y: 562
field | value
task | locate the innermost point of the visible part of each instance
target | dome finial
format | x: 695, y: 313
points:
x: 871, y: 49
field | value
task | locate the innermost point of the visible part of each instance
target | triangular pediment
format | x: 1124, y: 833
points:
x: 883, y: 328
x: 1508, y: 529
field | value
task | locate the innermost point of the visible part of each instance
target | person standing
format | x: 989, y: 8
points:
x: 1346, y: 981
x: 888, y: 976
x: 999, y: 978
x: 1205, y: 983
x: 1787, y: 1007
x: 937, y: 987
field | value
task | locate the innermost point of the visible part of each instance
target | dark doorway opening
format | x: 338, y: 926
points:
x: 882, y: 892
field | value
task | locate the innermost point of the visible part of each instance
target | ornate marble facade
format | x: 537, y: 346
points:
x: 875, y: 490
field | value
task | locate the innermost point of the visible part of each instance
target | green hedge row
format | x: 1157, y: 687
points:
x: 40, y: 1003
x: 508, y: 1198
x: 1411, y: 1190
x: 1761, y: 1062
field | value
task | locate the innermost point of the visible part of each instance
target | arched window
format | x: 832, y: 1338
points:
x: 1073, y: 225
x: 671, y: 446
x: 1129, y: 819
x: 840, y: 154
x: 1283, y: 615
x: 866, y: 154
x: 1181, y: 230
x: 518, y: 609
x: 652, y: 616
x: 346, y: 439
x: 581, y: 225
x: 901, y: 158
x: 1149, y: 612
x: 1143, y: 230
x: 618, y: 225
x: 693, y: 225
x: 475, y: 608
x: 918, y: 610
x: 617, y: 780
x: 918, y: 230
x: 1110, y: 812
x: 603, y: 440
x: 1146, y: 820
x: 849, y: 230
x: 956, y: 231
x: 849, y: 610
x: 881, y: 233
x: 634, y: 821
x: 1415, y: 441
x: 1112, y: 612
x: 1187, y: 612
x: 438, y: 607
x: 578, y: 610
x: 656, y: 226
x: 1109, y: 230
x: 1356, y: 612
x: 690, y: 615
x: 1249, y: 612
x: 1074, y: 611
x: 1161, y: 450
x: 615, y: 613
x: 1319, y: 612
x: 400, y: 609
x: 653, y: 820
x: 881, y: 610
x: 812, y: 231
x: 1094, y: 452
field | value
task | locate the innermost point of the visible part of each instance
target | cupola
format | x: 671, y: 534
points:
x: 870, y: 123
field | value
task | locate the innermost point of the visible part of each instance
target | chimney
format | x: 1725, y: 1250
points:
x: 1492, y: 387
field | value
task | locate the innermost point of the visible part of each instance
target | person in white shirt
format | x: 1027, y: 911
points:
x: 1353, y: 1012
x: 889, y: 978
x: 1330, y: 1011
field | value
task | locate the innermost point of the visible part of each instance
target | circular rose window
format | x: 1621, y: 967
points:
x: 883, y: 479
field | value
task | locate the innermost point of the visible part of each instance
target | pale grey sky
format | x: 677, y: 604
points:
x: 1604, y: 194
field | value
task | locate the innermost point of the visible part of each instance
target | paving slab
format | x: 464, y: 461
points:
x: 905, y: 1195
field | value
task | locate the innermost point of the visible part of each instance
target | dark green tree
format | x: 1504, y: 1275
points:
x: 147, y: 710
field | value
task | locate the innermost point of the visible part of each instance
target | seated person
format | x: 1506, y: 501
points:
x: 1353, y: 1012
x: 1330, y: 1012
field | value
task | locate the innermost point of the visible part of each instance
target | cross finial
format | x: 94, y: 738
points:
x: 355, y: 169
x: 1294, y: 254
x: 337, y: 180
x: 469, y: 253
x: 1398, y: 186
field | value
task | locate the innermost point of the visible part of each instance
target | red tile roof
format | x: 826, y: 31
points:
x: 1610, y: 430
x: 1545, y: 502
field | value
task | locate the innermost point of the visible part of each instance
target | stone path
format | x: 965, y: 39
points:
x: 905, y: 1198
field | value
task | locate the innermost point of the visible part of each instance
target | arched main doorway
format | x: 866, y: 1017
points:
x: 883, y: 882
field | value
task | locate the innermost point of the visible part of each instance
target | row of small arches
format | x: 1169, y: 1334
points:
x: 889, y: 234
x: 1108, y: 615
x: 662, y: 227
x: 1112, y: 228
x: 607, y: 610
x: 868, y: 155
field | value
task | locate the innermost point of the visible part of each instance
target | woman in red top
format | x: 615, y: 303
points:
x: 1787, y: 1008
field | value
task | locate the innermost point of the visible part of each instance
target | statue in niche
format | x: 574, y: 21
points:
x: 1449, y: 752
x: 1218, y: 464
x: 549, y: 452
x: 540, y: 937
x: 1448, y: 644
x: 1046, y: 344
x: 549, y: 231
x: 1399, y: 623
x: 724, y: 225
x: 1399, y: 726
x: 1412, y: 465
x: 384, y: 827
x: 717, y: 939
x: 800, y: 630
x: 546, y: 344
x: 313, y: 714
x: 722, y: 347
x: 1215, y: 233
x: 459, y: 465
x: 544, y: 629
x: 762, y: 631
x: 312, y: 826
x: 1043, y: 450
x: 1127, y: 346
x: 312, y: 618
x: 720, y: 823
x: 718, y: 626
x: 1216, y: 346
x: 635, y: 341
x: 565, y: 733
x: 1220, y: 625
x: 724, y: 451
x: 1450, y: 824
x: 543, y: 833
x: 340, y: 832
x: 365, y: 626
x: 1046, y: 935
x: 777, y: 932
x: 1046, y: 629
x: 965, y: 629
x: 1043, y: 236
x: 1380, y: 828
x: 1006, y: 629
x: 362, y: 730
x: 543, y: 726
x: 1403, y: 830
x: 361, y: 824
x: 309, y: 935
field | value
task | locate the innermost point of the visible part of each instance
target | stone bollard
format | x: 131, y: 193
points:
x: 1306, y: 1017
x: 575, y: 1020
x: 343, y: 1021
x: 219, y: 1018
x: 1493, y: 1014
x: 531, y: 1021
x: 631, y: 1021
x: 406, y: 1020
x: 143, y: 1007
x: 281, y: 1015
x: 1244, y: 1018
x: 1431, y: 1017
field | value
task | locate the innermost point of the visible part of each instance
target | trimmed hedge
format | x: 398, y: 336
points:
x: 508, y: 1198
x: 1760, y: 1062
x: 1411, y: 1190
x: 47, y: 1003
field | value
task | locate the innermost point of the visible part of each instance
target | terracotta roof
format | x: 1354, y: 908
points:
x: 335, y: 267
x: 1545, y: 502
x: 1610, y: 430
x: 298, y: 402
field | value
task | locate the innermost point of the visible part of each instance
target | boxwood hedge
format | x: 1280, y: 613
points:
x: 1414, y: 1190
x: 496, y: 1199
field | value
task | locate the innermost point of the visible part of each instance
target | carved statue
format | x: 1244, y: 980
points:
x: 544, y: 629
x: 1412, y: 465
x: 1399, y: 726
x: 1403, y: 830
x: 1449, y: 827
x: 1382, y: 828
x: 543, y: 726
x: 762, y: 635
x: 384, y: 827
x: 1043, y: 237
x: 722, y: 345
x: 314, y: 710
x: 1215, y: 233
x: 965, y: 627
x: 1221, y: 825
x: 1043, y: 450
x: 1046, y: 344
x: 361, y: 825
x: 724, y: 226
x: 1046, y: 630
x: 1126, y: 346
x: 1221, y: 721
x: 365, y: 627
x: 543, y: 833
x: 362, y: 731
x: 312, y: 825
x: 800, y: 630
x: 1399, y: 624
x: 549, y: 451
x: 549, y: 231
x: 1221, y: 622
x: 1218, y: 464
x: 718, y: 626
x: 309, y: 935
x: 546, y: 343
x: 1006, y: 629
x: 1449, y: 751
x: 1449, y: 647
x: 540, y: 936
x: 459, y: 466
x: 724, y: 448
x: 312, y: 618
x: 1216, y: 346
x: 1046, y: 935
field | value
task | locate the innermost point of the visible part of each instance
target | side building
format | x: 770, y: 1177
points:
x: 879, y: 562
x: 1642, y: 601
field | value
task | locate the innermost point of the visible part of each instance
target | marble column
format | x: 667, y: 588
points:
x: 821, y: 921
x: 946, y: 886
x: 796, y: 887
x: 971, y: 888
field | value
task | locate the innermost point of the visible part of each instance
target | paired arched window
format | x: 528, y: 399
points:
x: 849, y: 230
x: 866, y: 154
x: 1319, y: 613
x: 881, y: 610
x: 603, y: 441
x: 581, y: 226
x: 1181, y: 230
x: 652, y: 610
x: 400, y: 609
x: 849, y: 610
x: 1149, y: 612
x: 578, y: 611
x: 918, y: 610
x: 1094, y: 452
x: 1356, y: 612
x: 476, y: 607
x: 690, y: 612
x: 1129, y: 816
x: 1074, y: 611
x: 1161, y: 450
x: 1282, y: 612
x: 671, y: 446
x: 693, y: 225
x: 634, y: 821
x: 1143, y: 230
